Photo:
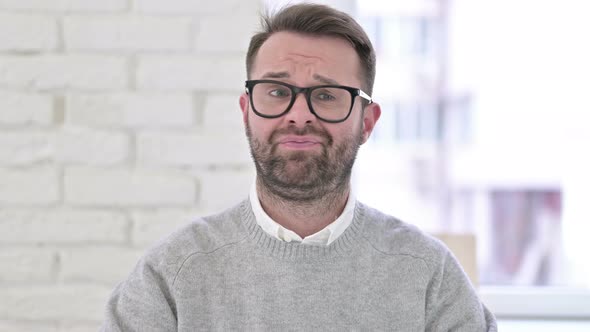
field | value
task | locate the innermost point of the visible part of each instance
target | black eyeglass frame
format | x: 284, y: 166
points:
x: 295, y: 90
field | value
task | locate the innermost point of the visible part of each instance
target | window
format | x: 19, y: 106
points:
x: 485, y: 130
x: 481, y: 132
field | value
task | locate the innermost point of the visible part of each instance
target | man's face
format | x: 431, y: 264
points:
x: 299, y: 157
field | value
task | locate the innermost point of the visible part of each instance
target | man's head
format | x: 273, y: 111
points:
x: 320, y: 21
x: 303, y: 110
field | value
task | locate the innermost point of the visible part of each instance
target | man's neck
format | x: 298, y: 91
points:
x: 303, y: 218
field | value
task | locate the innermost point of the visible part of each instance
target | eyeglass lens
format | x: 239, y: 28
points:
x: 330, y: 103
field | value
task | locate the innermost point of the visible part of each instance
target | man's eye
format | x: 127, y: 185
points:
x: 279, y: 93
x: 325, y: 96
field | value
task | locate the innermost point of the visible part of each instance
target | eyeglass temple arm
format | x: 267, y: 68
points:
x: 365, y: 96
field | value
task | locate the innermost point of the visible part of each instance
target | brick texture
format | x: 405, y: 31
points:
x: 27, y: 265
x: 25, y: 32
x: 119, y: 122
x: 127, y: 33
x: 31, y: 186
x: 65, y: 302
x: 120, y: 188
x: 27, y: 326
x: 222, y: 111
x: 192, y: 149
x: 62, y: 226
x: 235, y: 29
x: 215, y: 187
x: 80, y: 145
x: 78, y: 327
x: 65, y: 5
x: 43, y: 72
x: 131, y: 110
x: 25, y: 148
x: 183, y: 73
x: 151, y: 226
x: 105, y: 265
x: 25, y: 109
x: 190, y: 6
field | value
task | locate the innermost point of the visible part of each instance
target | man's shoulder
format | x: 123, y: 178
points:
x: 392, y: 236
x: 202, y: 236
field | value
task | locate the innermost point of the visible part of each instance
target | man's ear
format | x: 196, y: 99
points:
x: 244, y: 105
x: 371, y: 115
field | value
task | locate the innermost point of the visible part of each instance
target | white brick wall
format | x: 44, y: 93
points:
x: 26, y: 32
x: 181, y: 73
x: 88, y: 6
x: 25, y: 148
x: 77, y: 327
x: 73, y: 302
x: 171, y: 148
x: 236, y: 29
x: 127, y: 187
x: 28, y: 109
x: 119, y: 122
x: 131, y: 110
x: 194, y: 7
x: 29, y: 186
x: 69, y: 226
x: 225, y: 187
x: 100, y: 264
x: 127, y: 33
x: 52, y: 71
x: 150, y: 226
x: 222, y: 111
x: 18, y: 265
x: 10, y: 326
x: 81, y: 145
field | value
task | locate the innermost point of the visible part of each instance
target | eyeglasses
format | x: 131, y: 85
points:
x: 330, y: 103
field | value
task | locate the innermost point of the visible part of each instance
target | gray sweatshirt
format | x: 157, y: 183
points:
x: 223, y: 272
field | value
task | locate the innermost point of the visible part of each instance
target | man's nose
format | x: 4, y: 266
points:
x: 300, y: 114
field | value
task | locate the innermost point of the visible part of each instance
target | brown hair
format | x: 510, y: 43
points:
x: 317, y: 20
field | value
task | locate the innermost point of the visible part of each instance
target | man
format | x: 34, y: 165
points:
x: 301, y: 253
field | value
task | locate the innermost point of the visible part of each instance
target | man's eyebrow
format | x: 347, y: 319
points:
x: 325, y: 80
x: 284, y: 74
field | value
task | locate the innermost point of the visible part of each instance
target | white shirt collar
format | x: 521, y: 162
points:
x: 323, y: 237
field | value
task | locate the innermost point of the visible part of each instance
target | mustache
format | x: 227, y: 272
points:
x: 307, y: 130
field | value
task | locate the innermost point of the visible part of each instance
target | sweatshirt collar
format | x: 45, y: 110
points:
x: 323, y: 237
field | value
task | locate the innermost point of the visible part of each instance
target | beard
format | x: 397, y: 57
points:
x: 304, y: 176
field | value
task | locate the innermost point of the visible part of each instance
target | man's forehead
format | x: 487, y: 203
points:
x: 326, y: 59
x: 286, y: 75
x: 304, y: 46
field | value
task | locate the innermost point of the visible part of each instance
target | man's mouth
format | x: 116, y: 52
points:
x: 299, y: 142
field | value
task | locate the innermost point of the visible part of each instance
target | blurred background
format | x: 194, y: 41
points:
x: 119, y: 122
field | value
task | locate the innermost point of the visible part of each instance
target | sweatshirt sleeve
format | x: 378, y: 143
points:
x: 452, y: 303
x: 143, y: 302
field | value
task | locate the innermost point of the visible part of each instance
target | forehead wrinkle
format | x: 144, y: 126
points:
x: 289, y: 64
x: 297, y: 59
x: 284, y: 74
x: 301, y: 55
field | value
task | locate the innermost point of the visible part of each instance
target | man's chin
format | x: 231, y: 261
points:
x: 298, y: 189
x: 298, y: 155
x: 297, y: 175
